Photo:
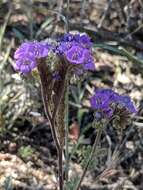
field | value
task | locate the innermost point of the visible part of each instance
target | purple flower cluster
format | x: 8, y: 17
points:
x: 27, y: 54
x: 105, y: 102
x: 77, y: 50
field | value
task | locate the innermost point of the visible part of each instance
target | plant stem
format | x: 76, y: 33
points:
x: 51, y: 122
x: 59, y: 149
x: 67, y: 107
x: 67, y: 15
x: 52, y: 125
x: 60, y: 165
x: 67, y: 131
x: 99, y: 132
x: 30, y: 15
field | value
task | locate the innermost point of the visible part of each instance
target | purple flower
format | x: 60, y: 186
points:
x: 63, y: 47
x: 77, y: 50
x: 126, y: 102
x: 84, y: 40
x: 89, y: 61
x: 25, y: 65
x: 35, y: 49
x: 67, y: 37
x: 27, y: 54
x: 105, y: 101
x: 76, y: 54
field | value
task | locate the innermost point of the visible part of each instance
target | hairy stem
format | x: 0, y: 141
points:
x: 56, y: 109
x: 44, y: 83
x: 59, y: 149
x: 52, y: 125
x: 44, y: 92
x: 99, y: 132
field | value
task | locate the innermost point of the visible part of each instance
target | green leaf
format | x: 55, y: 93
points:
x: 80, y: 114
x: 18, y: 34
x: 108, y: 47
x: 120, y: 51
x: 70, y: 185
x: 45, y: 24
x: 25, y: 151
x: 3, y: 28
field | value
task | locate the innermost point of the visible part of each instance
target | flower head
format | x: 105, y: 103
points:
x: 25, y: 65
x: 105, y: 102
x: 67, y: 37
x: 76, y: 54
x: 77, y: 50
x: 125, y: 101
x: 27, y: 54
x: 84, y: 40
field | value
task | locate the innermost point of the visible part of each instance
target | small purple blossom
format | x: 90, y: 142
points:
x: 63, y: 47
x: 77, y: 50
x: 126, y: 102
x: 67, y: 38
x: 27, y: 54
x: 76, y: 54
x: 89, y: 61
x: 25, y: 65
x: 104, y: 101
x: 84, y: 40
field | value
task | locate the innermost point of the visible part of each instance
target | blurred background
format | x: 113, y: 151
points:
x: 27, y: 152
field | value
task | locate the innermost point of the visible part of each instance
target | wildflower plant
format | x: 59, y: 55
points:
x: 73, y: 55
x: 106, y: 102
